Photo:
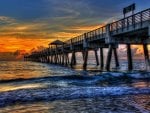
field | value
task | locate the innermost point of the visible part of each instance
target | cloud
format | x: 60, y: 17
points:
x: 61, y: 19
x: 6, y: 20
x: 12, y: 44
x: 48, y: 20
x: 57, y: 28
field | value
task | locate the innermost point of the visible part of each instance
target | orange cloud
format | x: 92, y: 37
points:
x: 10, y: 44
x: 26, y: 37
x: 139, y: 49
x: 18, y: 35
x: 86, y: 28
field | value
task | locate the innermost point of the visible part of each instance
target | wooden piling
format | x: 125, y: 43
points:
x: 55, y: 59
x: 48, y: 59
x: 116, y: 57
x: 146, y: 54
x: 109, y: 57
x: 96, y: 57
x: 63, y: 59
x: 85, y: 59
x: 129, y: 57
x: 66, y: 59
x: 63, y: 55
x: 59, y: 58
x: 51, y: 59
x: 73, y: 59
x: 101, y: 58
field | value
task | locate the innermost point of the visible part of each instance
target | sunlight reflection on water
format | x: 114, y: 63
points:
x: 4, y: 88
x: 26, y: 70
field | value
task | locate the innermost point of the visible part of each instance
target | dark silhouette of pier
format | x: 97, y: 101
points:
x: 134, y: 29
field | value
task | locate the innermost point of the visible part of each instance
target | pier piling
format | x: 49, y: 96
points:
x: 109, y: 57
x: 116, y: 57
x: 146, y: 54
x: 85, y: 59
x: 129, y: 57
x: 101, y: 58
x: 96, y: 57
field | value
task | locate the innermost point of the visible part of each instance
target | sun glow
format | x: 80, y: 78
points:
x: 21, y: 28
x: 9, y: 44
x: 139, y: 48
x: 28, y: 86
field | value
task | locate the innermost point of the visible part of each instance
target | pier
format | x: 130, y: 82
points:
x: 134, y: 29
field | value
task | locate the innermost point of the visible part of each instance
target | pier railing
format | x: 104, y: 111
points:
x: 100, y: 33
x: 131, y: 20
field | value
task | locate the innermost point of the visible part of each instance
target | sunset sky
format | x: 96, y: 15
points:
x: 26, y: 24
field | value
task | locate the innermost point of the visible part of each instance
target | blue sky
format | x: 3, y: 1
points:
x: 29, y: 10
x: 47, y: 20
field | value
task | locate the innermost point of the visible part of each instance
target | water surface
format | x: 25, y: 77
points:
x: 43, y: 88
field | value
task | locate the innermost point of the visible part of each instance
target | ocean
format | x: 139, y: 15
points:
x: 29, y: 87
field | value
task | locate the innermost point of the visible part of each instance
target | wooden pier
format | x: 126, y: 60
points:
x: 134, y: 29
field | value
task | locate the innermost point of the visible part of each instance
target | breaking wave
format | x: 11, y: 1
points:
x: 76, y: 86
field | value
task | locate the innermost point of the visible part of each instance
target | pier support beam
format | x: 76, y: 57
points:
x: 63, y: 58
x: 55, y: 59
x: 60, y: 59
x: 48, y: 59
x: 42, y: 59
x: 66, y: 59
x: 116, y: 57
x: 83, y: 55
x: 96, y: 56
x: 51, y: 59
x: 109, y: 57
x: 85, y: 59
x: 101, y: 58
x: 73, y: 59
x: 146, y: 54
x: 63, y: 55
x: 129, y: 57
x: 108, y: 61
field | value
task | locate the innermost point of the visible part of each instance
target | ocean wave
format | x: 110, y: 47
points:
x: 51, y: 94
x: 111, y: 78
x: 103, y: 75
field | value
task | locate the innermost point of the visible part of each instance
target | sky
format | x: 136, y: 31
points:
x: 27, y: 24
